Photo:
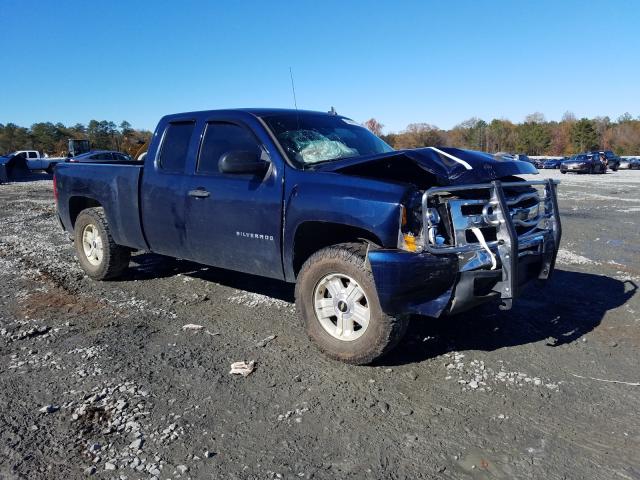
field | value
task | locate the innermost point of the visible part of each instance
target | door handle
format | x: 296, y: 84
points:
x: 199, y: 193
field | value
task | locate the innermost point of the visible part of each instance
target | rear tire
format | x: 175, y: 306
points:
x: 50, y: 169
x: 335, y: 283
x: 100, y: 257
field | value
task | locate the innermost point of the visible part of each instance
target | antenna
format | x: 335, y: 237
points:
x: 295, y: 102
x: 293, y: 89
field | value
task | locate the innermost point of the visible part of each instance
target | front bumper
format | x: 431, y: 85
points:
x: 455, y: 278
x: 575, y: 168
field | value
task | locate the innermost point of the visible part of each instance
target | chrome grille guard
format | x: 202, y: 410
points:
x: 544, y: 232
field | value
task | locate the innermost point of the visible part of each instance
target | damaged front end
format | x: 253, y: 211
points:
x: 464, y: 244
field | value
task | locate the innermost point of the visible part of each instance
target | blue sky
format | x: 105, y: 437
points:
x: 439, y: 62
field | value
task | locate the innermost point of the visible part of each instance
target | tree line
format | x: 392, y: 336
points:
x: 52, y: 138
x: 534, y: 136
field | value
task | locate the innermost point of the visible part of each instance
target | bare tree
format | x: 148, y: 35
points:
x: 535, y: 117
x: 374, y: 126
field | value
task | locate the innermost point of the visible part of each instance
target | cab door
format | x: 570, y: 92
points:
x: 163, y: 190
x: 234, y: 220
x: 33, y: 161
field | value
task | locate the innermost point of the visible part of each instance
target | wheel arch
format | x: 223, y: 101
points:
x: 311, y: 236
x: 79, y: 203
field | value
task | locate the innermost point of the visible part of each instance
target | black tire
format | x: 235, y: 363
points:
x: 383, y: 332
x: 50, y: 169
x: 115, y: 258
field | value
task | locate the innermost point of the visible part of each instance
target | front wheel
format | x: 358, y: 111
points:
x: 100, y: 257
x: 337, y: 299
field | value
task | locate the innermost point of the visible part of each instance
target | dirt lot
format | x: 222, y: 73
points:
x: 101, y: 378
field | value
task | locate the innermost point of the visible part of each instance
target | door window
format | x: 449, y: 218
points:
x: 33, y: 155
x: 175, y: 146
x: 220, y: 138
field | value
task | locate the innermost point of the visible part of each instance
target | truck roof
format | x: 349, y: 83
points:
x: 258, y: 112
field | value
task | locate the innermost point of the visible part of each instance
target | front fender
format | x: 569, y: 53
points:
x: 327, y: 197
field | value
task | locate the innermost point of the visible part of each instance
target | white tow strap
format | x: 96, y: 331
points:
x: 452, y: 157
x: 478, y: 233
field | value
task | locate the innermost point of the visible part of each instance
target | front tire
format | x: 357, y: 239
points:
x: 337, y: 299
x: 100, y: 257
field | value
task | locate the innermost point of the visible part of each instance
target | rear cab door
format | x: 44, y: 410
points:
x: 163, y: 188
x: 234, y: 220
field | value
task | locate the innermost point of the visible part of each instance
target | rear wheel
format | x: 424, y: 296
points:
x: 338, y: 301
x: 50, y: 169
x: 100, y: 257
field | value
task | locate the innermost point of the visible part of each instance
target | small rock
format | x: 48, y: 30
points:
x: 264, y: 341
x: 412, y: 375
x: 473, y: 384
x: 90, y: 470
x: 136, y: 444
x: 208, y: 454
x: 49, y: 409
x: 109, y: 466
x: 613, y: 344
x: 441, y: 469
x: 182, y: 469
x: 192, y: 326
x: 94, y: 447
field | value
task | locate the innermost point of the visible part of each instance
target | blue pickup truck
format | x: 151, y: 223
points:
x: 370, y: 235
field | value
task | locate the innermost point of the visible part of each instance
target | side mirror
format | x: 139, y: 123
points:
x: 243, y: 162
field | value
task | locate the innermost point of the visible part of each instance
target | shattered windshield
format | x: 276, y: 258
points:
x: 314, y: 138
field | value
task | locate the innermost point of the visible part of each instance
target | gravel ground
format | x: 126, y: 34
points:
x: 102, y: 379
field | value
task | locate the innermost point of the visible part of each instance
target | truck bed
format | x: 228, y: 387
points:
x: 115, y: 186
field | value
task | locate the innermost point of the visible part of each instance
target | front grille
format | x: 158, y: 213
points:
x: 475, y: 207
x: 514, y: 227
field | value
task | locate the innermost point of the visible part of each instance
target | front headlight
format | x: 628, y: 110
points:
x: 433, y: 217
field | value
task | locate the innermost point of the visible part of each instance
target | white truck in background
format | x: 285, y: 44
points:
x: 36, y: 161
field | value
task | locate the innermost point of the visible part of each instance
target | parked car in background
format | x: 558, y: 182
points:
x: 613, y: 161
x: 583, y: 163
x: 628, y: 163
x: 553, y: 163
x: 522, y: 158
x: 101, y: 156
x: 634, y: 164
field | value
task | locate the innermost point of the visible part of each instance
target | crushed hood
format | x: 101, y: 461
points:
x: 450, y: 166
